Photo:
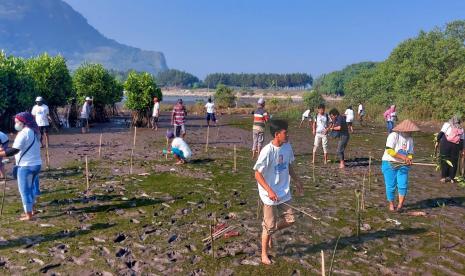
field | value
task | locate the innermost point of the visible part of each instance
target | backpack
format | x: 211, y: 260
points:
x: 454, y: 135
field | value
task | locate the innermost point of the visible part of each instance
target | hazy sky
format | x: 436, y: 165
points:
x: 204, y: 36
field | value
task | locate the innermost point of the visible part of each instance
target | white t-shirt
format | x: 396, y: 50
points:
x: 156, y: 109
x: 349, y: 115
x: 306, y: 114
x: 180, y: 144
x: 360, y: 108
x: 400, y: 143
x: 85, y: 111
x: 210, y: 107
x: 41, y: 114
x: 23, y: 140
x: 446, y: 128
x: 322, y: 121
x: 273, y: 163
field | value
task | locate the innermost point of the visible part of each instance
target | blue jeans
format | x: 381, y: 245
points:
x: 389, y: 126
x: 395, y: 177
x: 28, y: 185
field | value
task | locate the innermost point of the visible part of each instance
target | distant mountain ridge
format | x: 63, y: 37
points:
x: 31, y: 27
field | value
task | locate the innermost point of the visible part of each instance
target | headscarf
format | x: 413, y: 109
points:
x: 27, y: 119
x: 455, y: 121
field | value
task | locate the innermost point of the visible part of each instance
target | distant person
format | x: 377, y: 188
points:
x: 361, y: 113
x: 26, y: 149
x: 85, y: 115
x: 306, y: 116
x: 320, y: 131
x: 210, y: 108
x: 41, y: 114
x: 390, y: 116
x: 4, y: 142
x: 451, y: 142
x: 273, y: 172
x: 178, y: 119
x: 260, y: 117
x: 396, y: 162
x: 155, y: 113
x: 340, y: 131
x: 179, y: 148
x: 349, y: 114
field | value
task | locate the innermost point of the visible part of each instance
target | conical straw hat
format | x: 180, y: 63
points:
x: 406, y: 126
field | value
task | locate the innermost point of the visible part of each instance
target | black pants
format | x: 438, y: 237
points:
x: 341, y: 146
x: 449, y: 152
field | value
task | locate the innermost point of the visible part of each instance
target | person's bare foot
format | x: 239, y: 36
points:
x: 26, y: 217
x: 443, y: 180
x: 391, y: 207
x: 266, y: 260
x: 399, y: 208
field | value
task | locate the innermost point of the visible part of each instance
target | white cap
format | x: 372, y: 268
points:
x: 261, y: 101
x: 88, y: 99
x: 39, y: 99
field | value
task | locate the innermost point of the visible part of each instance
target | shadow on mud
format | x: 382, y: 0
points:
x: 458, y: 201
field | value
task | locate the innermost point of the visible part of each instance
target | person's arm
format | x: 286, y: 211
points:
x: 314, y: 127
x: 261, y: 180
x: 8, y: 152
x: 298, y: 183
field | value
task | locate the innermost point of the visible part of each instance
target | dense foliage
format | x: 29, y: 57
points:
x: 424, y: 76
x: 140, y: 90
x: 177, y: 78
x: 312, y: 99
x: 259, y: 80
x: 224, y: 96
x: 93, y: 80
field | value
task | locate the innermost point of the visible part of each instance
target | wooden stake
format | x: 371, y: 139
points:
x: 47, y: 154
x: 235, y: 159
x: 303, y: 212
x: 332, y: 258
x: 100, y: 147
x: 167, y: 142
x: 87, y: 173
x: 132, y: 151
x: 4, y: 191
x: 362, y: 203
x: 208, y: 134
x: 357, y: 211
x: 323, y: 270
x: 369, y: 173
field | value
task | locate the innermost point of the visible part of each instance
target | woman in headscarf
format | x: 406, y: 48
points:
x: 396, y: 162
x: 451, y: 142
x: 390, y: 116
x: 26, y: 149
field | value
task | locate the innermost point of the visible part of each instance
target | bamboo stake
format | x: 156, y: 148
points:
x: 334, y: 254
x: 357, y: 211
x: 100, y: 147
x: 208, y: 134
x: 235, y: 159
x: 418, y: 164
x: 217, y: 130
x: 212, y: 241
x: 362, y: 203
x: 301, y: 211
x: 87, y: 173
x: 132, y: 151
x: 47, y: 154
x: 4, y: 191
x: 323, y: 270
x: 219, y: 233
x: 369, y: 173
x: 167, y: 142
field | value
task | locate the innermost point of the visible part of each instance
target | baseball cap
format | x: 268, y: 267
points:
x: 39, y: 99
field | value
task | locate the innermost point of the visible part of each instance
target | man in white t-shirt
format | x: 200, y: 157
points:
x: 179, y: 148
x: 349, y: 113
x: 210, y: 108
x: 320, y: 130
x: 273, y: 172
x: 85, y: 115
x: 155, y: 113
x: 361, y: 113
x: 306, y: 116
x: 41, y: 114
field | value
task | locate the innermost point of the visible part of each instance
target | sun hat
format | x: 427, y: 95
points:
x: 261, y: 101
x: 39, y: 99
x: 88, y: 99
x: 406, y: 126
x: 169, y: 134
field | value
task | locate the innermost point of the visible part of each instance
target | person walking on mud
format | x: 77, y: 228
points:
x: 85, y: 115
x: 210, y: 108
x: 451, y: 142
x: 390, y: 116
x: 178, y: 119
x: 41, y: 114
x: 155, y: 113
x: 339, y: 130
x: 349, y: 114
x: 361, y: 113
x: 273, y: 171
x: 320, y: 131
x: 260, y: 117
x: 396, y: 162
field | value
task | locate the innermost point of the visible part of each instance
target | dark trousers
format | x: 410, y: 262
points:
x: 449, y: 152
x: 341, y: 146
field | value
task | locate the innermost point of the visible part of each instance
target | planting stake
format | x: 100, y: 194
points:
x: 132, y: 151
x: 332, y: 258
x: 235, y: 159
x: 208, y: 134
x: 301, y: 211
x: 369, y: 173
x: 100, y: 147
x: 4, y: 191
x: 357, y: 211
x: 87, y: 173
x: 47, y: 154
x: 323, y: 270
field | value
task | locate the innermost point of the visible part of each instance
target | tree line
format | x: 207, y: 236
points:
x: 292, y: 80
x: 22, y: 80
x: 423, y: 75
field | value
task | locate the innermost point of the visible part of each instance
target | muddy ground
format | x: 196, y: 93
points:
x: 153, y: 221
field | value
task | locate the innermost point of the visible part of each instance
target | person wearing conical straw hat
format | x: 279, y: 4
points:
x: 396, y: 162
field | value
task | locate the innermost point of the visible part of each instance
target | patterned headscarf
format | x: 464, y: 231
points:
x: 455, y: 121
x: 27, y: 119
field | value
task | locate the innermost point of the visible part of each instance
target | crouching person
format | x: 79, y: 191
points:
x: 179, y: 148
x: 273, y: 171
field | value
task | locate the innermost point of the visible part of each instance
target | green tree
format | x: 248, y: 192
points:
x: 312, y: 99
x: 177, y: 78
x: 93, y: 80
x: 140, y: 90
x: 224, y: 96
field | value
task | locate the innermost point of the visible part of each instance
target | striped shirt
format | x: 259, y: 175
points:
x: 179, y: 114
x: 260, y: 117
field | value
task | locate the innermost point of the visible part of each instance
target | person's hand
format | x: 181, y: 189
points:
x: 408, y: 161
x: 272, y: 195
